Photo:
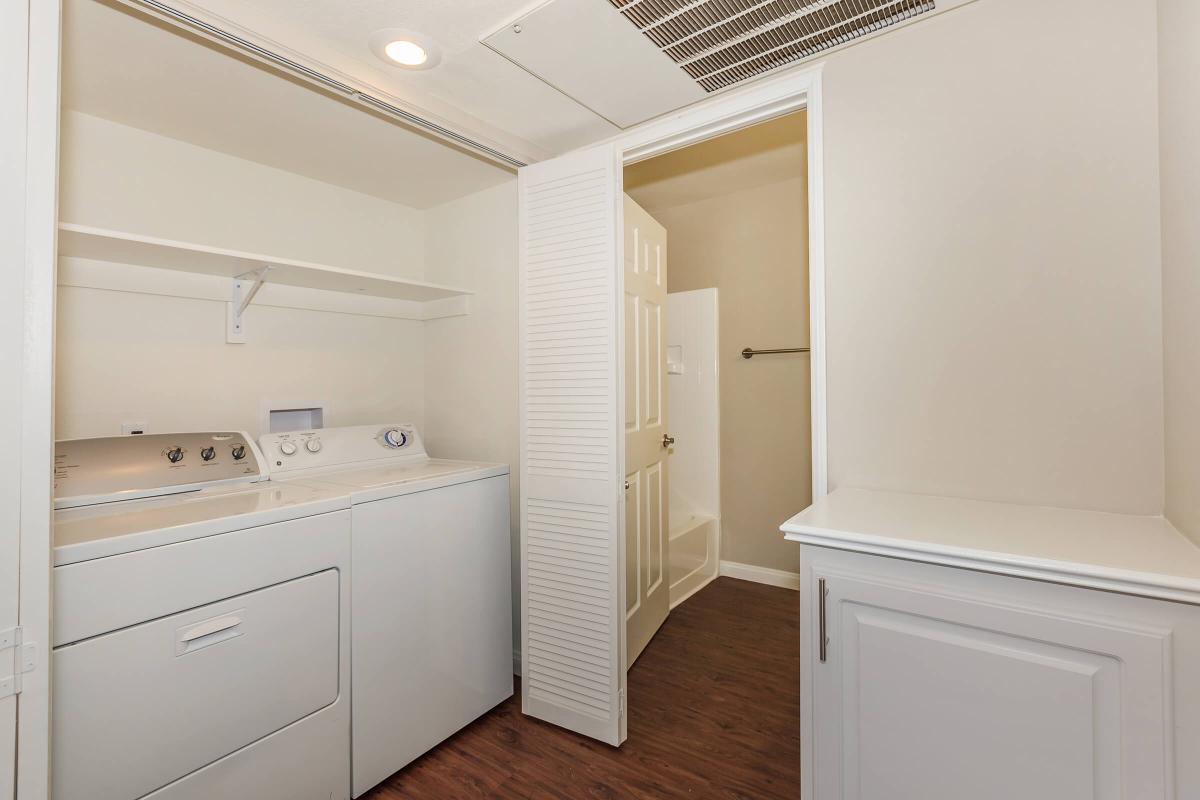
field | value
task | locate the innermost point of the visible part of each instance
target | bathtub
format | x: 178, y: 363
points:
x: 694, y: 555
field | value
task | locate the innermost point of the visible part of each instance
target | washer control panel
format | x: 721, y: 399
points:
x: 332, y: 447
x: 88, y: 471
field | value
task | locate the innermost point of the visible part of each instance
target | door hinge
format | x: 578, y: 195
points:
x: 24, y: 662
x: 621, y: 697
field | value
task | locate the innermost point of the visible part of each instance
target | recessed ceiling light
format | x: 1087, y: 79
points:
x: 402, y: 48
x: 409, y: 54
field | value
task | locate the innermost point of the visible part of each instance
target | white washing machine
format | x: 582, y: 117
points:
x: 201, y: 624
x: 431, y: 645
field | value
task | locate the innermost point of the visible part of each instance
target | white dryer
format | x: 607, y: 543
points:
x: 431, y: 591
x: 201, y: 624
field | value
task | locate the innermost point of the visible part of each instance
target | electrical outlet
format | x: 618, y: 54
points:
x: 133, y: 428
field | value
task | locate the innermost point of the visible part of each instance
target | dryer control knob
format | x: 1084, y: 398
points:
x: 313, y: 445
x: 395, y: 438
x: 288, y: 448
x: 239, y: 452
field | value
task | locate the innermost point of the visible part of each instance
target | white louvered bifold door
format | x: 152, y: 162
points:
x: 572, y: 615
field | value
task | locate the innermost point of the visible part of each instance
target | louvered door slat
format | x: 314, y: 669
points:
x: 572, y: 619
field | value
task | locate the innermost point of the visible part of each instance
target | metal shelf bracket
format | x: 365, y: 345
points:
x: 245, y: 287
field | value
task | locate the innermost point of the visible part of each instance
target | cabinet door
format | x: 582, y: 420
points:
x: 942, y: 684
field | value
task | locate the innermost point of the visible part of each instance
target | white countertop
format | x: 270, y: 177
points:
x: 1137, y: 555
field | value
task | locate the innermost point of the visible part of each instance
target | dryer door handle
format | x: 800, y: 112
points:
x: 208, y: 632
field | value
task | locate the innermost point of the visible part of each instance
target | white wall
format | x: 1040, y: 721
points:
x: 163, y: 360
x: 115, y: 176
x: 471, y: 361
x: 1179, y: 105
x: 994, y: 293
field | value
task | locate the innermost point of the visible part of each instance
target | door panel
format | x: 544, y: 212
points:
x: 1011, y: 698
x: 646, y: 425
x: 572, y: 546
x: 633, y: 355
x: 654, y: 355
x: 633, y: 537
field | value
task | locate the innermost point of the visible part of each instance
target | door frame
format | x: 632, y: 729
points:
x: 29, y: 129
x: 726, y: 113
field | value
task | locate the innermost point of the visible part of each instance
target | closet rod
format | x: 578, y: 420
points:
x: 749, y: 353
x: 235, y: 42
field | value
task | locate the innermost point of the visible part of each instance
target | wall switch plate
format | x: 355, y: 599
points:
x: 133, y: 428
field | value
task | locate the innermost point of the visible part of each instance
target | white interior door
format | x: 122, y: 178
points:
x: 647, y: 591
x: 29, y: 64
x: 572, y: 578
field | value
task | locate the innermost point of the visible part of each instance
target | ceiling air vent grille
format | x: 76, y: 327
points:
x: 723, y: 42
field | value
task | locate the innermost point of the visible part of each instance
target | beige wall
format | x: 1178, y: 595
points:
x: 752, y: 245
x: 994, y: 294
x: 1179, y: 98
x: 471, y: 361
x: 163, y: 360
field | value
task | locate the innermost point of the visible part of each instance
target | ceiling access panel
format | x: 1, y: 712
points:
x: 589, y: 52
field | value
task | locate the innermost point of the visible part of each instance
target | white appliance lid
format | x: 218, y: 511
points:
x: 372, y: 477
x: 98, y: 531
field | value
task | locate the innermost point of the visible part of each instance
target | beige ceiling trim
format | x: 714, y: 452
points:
x: 230, y: 36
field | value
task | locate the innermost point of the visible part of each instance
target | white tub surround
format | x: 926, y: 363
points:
x: 694, y: 410
x: 1055, y: 652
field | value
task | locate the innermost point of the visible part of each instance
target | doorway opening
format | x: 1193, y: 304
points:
x: 718, y: 423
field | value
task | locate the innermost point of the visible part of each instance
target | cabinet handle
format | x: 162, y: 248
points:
x: 823, y: 638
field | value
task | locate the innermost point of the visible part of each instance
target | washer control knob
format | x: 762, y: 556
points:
x: 239, y: 452
x: 313, y: 445
x: 208, y: 453
x: 175, y: 455
x: 288, y: 448
x: 395, y: 438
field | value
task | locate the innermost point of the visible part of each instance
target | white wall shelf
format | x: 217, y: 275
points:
x: 116, y: 260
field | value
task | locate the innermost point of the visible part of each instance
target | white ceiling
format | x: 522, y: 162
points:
x: 757, y: 156
x: 121, y: 67
x: 474, y: 88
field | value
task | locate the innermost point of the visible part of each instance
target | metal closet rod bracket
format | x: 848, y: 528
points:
x: 245, y: 287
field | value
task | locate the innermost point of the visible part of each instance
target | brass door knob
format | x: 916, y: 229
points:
x: 668, y: 440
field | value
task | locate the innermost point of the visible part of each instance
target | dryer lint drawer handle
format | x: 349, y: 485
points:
x: 195, y: 637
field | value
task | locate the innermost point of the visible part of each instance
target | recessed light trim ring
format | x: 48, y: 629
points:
x: 407, y: 43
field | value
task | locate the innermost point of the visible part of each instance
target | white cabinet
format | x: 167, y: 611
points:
x: 942, y: 683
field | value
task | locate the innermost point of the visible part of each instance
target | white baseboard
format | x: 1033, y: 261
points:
x: 771, y: 577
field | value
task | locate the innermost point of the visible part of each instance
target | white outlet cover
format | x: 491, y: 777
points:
x: 135, y: 427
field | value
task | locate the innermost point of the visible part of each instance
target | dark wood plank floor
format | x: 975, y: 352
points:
x: 714, y: 712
